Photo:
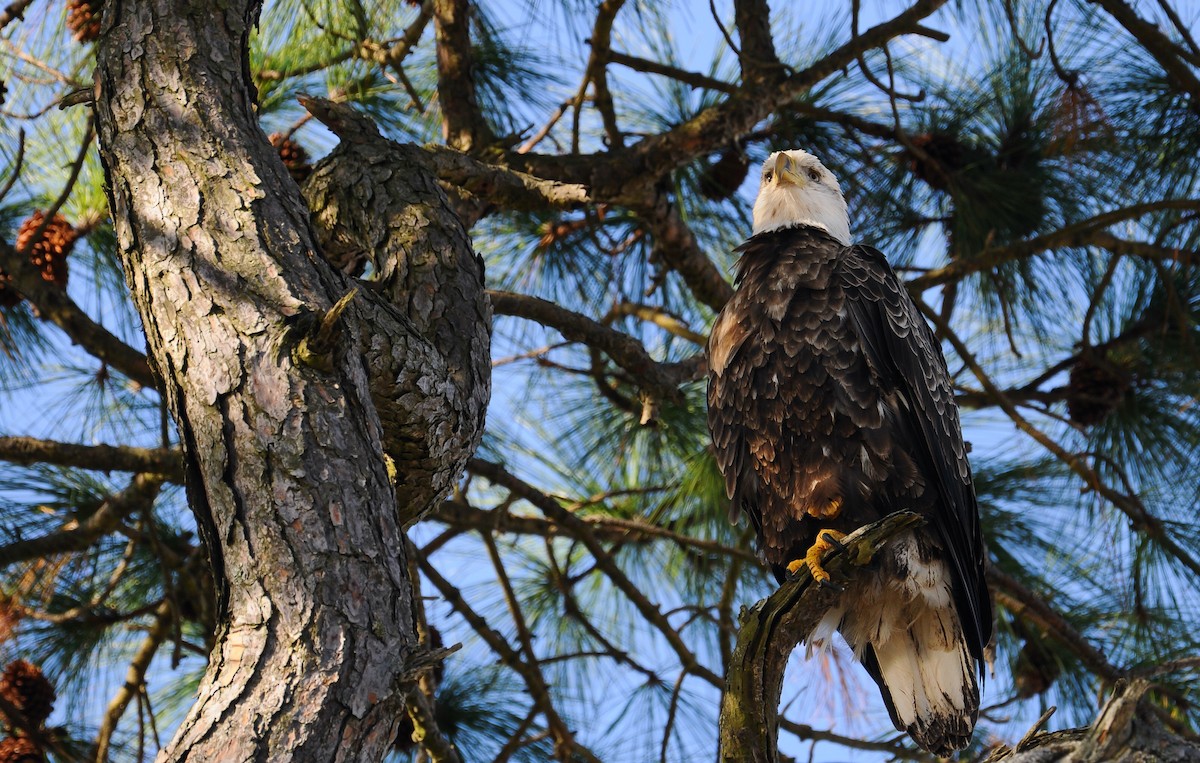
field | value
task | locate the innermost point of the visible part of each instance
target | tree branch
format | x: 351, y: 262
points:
x: 121, y: 458
x: 135, y: 678
x: 53, y: 304
x: 509, y: 656
x: 463, y: 124
x: 497, y: 475
x: 80, y: 535
x: 1084, y: 233
x: 695, y: 79
x: 626, y: 352
x: 1158, y: 45
x: 770, y: 631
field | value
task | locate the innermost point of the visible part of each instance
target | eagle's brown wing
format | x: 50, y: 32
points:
x: 903, y: 352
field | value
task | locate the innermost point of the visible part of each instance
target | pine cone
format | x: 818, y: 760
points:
x: 10, y: 610
x: 20, y: 750
x: 83, y: 18
x: 722, y: 179
x: 1094, y: 389
x: 23, y: 686
x: 294, y: 157
x: 1035, y: 670
x: 946, y: 157
x: 50, y: 253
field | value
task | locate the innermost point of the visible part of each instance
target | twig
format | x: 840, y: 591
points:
x: 532, y: 676
x: 626, y: 352
x: 135, y: 678
x: 54, y: 305
x: 16, y: 166
x: 695, y: 79
x: 579, y: 529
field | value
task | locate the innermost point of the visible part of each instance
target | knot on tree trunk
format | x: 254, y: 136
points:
x: 378, y: 202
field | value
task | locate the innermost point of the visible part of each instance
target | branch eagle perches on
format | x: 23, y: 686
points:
x: 769, y: 632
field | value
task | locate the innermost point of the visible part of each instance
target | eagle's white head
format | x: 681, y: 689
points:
x: 797, y: 190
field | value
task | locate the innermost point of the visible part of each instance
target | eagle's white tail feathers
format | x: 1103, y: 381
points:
x: 905, y: 629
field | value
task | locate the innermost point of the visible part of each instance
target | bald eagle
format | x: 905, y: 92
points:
x: 830, y: 407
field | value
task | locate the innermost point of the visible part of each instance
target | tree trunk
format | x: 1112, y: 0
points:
x: 277, y: 397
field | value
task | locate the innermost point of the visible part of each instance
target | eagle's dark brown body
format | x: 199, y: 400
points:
x: 830, y: 407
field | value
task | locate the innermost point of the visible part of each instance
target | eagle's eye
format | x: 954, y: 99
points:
x: 814, y: 176
x: 767, y: 176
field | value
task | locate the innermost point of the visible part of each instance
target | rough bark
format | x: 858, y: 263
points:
x: 768, y: 633
x: 1127, y: 729
x: 381, y: 199
x: 274, y: 395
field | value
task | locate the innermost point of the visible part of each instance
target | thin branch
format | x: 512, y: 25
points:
x: 534, y: 680
x: 1084, y: 233
x: 54, y: 305
x: 1129, y: 504
x: 897, y: 750
x: 497, y: 475
x: 120, y: 458
x: 80, y: 535
x: 626, y: 352
x: 1024, y: 603
x: 695, y: 79
x: 135, y: 678
x: 1158, y: 45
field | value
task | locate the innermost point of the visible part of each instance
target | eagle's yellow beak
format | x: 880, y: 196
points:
x: 786, y: 171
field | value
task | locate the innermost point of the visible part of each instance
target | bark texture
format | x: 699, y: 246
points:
x: 1128, y: 729
x: 275, y: 394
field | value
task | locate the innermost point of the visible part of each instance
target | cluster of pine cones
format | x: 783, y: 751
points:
x: 83, y: 18
x: 49, y: 254
x: 23, y: 688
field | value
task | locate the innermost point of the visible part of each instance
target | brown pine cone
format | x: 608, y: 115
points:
x: 83, y: 18
x: 50, y: 253
x: 294, y: 157
x: 20, y: 750
x: 23, y: 686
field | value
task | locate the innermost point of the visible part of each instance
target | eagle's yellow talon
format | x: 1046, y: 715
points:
x: 826, y: 540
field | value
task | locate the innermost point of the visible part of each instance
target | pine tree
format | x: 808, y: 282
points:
x: 247, y: 484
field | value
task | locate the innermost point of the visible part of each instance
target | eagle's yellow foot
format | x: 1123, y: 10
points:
x: 826, y: 540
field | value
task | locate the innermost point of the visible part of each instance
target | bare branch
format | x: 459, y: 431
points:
x: 80, y: 535
x: 120, y: 458
x: 54, y: 305
x: 695, y: 79
x: 463, y: 124
x: 604, y: 561
x: 1158, y: 45
x: 626, y: 352
x: 135, y: 678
